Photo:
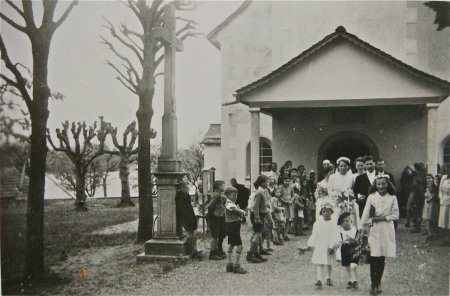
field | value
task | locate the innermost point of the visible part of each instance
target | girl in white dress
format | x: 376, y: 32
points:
x: 381, y: 210
x: 325, y: 241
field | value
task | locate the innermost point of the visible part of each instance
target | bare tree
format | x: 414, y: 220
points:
x: 192, y: 160
x: 137, y: 72
x: 82, y: 153
x: 126, y: 151
x: 37, y: 103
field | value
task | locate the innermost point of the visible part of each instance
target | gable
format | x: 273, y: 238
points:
x: 344, y: 70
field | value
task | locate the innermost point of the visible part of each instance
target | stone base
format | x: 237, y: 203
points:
x: 165, y: 248
x: 141, y: 258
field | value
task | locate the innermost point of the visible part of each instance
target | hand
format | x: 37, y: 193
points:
x: 361, y: 197
x: 330, y: 251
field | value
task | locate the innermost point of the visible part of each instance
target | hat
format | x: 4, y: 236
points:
x: 342, y: 217
x: 326, y: 205
x: 230, y: 189
x: 344, y: 159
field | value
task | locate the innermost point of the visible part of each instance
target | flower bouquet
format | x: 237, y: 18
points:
x: 361, y: 250
x: 344, y: 200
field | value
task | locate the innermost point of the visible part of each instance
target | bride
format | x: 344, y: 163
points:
x: 340, y: 186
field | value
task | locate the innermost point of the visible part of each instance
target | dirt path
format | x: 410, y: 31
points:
x: 420, y: 269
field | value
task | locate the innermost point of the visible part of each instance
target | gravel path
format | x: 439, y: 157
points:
x: 420, y: 269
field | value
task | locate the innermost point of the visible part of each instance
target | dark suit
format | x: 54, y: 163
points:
x: 362, y: 185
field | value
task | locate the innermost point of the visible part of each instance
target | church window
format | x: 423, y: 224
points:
x: 265, y: 156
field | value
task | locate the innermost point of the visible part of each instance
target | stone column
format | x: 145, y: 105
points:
x: 168, y: 242
x: 432, y: 145
x: 254, y: 143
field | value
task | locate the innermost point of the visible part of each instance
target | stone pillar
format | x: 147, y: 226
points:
x: 432, y: 145
x: 168, y: 242
x: 254, y: 143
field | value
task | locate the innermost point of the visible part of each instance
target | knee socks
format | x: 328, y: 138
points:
x: 219, y: 244
x: 238, y: 255
x: 376, y: 270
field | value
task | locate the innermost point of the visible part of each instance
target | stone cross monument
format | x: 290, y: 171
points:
x: 168, y: 242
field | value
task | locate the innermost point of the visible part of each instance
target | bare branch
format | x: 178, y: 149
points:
x: 66, y: 13
x: 20, y: 83
x: 113, y: 49
x: 9, y: 81
x: 123, y: 41
x: 158, y: 61
x: 159, y: 74
x: 128, y: 79
x: 13, y: 24
x: 127, y: 86
x: 28, y: 14
x: 190, y: 34
x: 49, y: 11
x: 17, y: 9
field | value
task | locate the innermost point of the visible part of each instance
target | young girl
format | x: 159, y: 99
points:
x: 278, y: 217
x: 299, y: 205
x: 325, y: 241
x: 347, y: 235
x: 431, y: 208
x: 286, y: 200
x: 381, y: 210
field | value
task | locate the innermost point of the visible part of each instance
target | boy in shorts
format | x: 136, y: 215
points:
x: 233, y: 217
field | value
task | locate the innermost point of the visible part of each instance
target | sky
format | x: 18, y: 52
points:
x: 77, y: 68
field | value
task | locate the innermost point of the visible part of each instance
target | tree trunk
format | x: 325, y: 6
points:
x: 124, y: 173
x: 34, y: 241
x: 144, y: 117
x: 80, y: 184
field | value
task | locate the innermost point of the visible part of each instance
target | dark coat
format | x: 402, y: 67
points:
x: 242, y: 196
x: 185, y: 213
x: 362, y: 186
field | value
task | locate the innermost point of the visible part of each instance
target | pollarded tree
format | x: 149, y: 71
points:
x: 36, y: 100
x: 137, y: 72
x: 82, y: 152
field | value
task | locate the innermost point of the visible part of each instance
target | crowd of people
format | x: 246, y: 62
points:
x: 351, y: 214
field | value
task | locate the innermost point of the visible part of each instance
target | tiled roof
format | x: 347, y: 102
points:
x: 212, y: 135
x: 10, y: 184
x: 340, y: 33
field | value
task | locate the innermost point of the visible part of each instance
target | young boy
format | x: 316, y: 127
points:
x: 216, y: 218
x: 186, y: 218
x: 286, y: 199
x: 347, y: 235
x: 233, y: 217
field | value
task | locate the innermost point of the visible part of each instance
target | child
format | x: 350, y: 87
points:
x: 348, y: 234
x: 299, y: 206
x: 286, y: 199
x: 186, y: 218
x: 268, y: 227
x: 431, y: 208
x: 381, y: 210
x: 216, y: 218
x: 324, y: 239
x: 278, y: 217
x: 233, y: 217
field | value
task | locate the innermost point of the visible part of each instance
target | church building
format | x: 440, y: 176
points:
x: 307, y: 81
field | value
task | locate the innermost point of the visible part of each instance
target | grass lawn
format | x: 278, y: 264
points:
x: 67, y: 233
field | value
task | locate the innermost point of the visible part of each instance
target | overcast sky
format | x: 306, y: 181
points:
x: 77, y: 69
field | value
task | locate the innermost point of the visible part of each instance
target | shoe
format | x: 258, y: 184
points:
x: 239, y: 270
x: 214, y: 256
x: 379, y: 289
x: 252, y: 259
x: 269, y: 250
x: 197, y: 255
x: 349, y: 285
x: 222, y: 254
x: 329, y: 282
x: 286, y: 238
x: 374, y: 291
x: 264, y: 252
x: 277, y: 243
x: 318, y: 284
x: 258, y: 255
x: 230, y: 267
x: 355, y: 285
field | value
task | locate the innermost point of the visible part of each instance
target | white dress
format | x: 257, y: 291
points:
x: 325, y: 234
x: 444, y: 210
x: 339, y: 183
x: 382, y: 234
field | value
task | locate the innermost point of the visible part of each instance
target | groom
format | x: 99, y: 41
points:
x: 363, y: 183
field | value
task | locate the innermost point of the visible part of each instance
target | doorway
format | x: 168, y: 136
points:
x: 349, y: 144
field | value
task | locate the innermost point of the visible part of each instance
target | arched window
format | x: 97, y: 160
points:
x: 447, y: 152
x: 265, y: 156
